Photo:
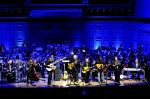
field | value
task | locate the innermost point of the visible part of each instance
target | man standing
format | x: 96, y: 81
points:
x: 30, y: 72
x: 86, y: 71
x: 49, y: 70
x: 117, y: 67
x: 74, y: 68
x: 100, y: 65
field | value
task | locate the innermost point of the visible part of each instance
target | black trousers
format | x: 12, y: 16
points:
x: 117, y: 75
x: 74, y: 75
x: 49, y: 77
x: 86, y: 76
x: 42, y: 72
x: 30, y: 77
x: 109, y: 74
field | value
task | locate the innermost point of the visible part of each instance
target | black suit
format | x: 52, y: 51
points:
x: 74, y: 72
x: 11, y: 74
x: 50, y: 73
x: 30, y: 73
x: 117, y: 67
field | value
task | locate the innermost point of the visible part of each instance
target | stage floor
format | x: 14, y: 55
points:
x: 42, y: 83
x: 59, y: 89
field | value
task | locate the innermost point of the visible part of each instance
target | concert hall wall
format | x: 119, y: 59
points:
x: 142, y: 8
x: 13, y: 33
x: 90, y: 33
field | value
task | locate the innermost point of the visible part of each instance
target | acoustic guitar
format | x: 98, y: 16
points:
x: 105, y: 69
x: 100, y: 66
x: 70, y: 66
x: 86, y: 69
x: 65, y: 76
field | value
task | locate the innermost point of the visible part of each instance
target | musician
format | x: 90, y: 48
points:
x: 136, y: 64
x: 43, y: 64
x: 86, y: 71
x: 70, y: 63
x: 52, y: 57
x: 37, y: 70
x: 75, y: 69
x: 50, y: 73
x: 30, y: 72
x: 18, y: 64
x: 25, y: 44
x: 83, y: 50
x: 109, y: 68
x: 71, y: 56
x: 1, y: 65
x: 100, y: 65
x: 2, y: 48
x: 11, y: 71
x: 117, y: 67
x: 10, y: 66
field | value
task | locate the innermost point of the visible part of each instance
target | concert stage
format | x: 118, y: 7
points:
x: 126, y: 89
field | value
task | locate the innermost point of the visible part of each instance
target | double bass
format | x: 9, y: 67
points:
x: 35, y: 74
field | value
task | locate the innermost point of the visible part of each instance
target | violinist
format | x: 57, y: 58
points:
x: 30, y: 72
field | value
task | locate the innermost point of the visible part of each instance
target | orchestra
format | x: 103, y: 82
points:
x: 20, y: 63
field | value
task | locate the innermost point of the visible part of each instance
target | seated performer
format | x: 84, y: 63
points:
x: 10, y: 66
x: 100, y: 66
x: 11, y: 73
x: 86, y: 71
x: 136, y: 64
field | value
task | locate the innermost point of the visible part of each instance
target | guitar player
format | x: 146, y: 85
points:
x: 75, y: 67
x: 50, y: 73
x: 99, y: 65
x: 86, y: 71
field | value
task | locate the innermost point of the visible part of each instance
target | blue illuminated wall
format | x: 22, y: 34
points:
x: 116, y: 33
x: 92, y: 34
x: 142, y: 8
x: 13, y: 33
